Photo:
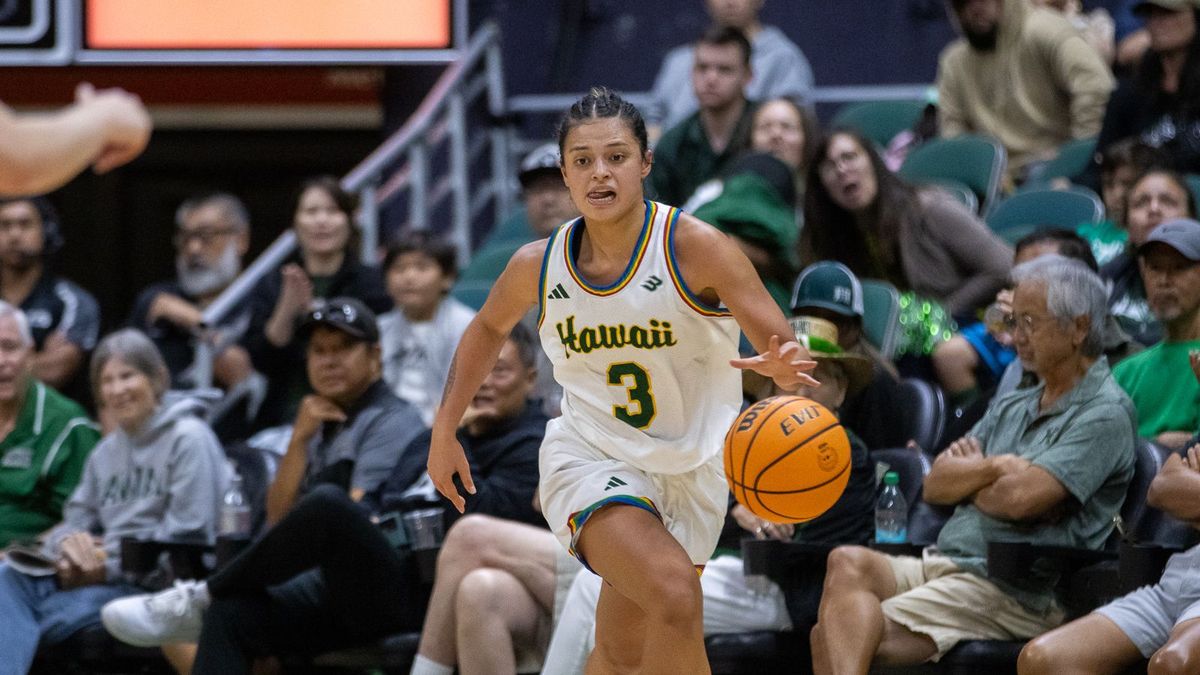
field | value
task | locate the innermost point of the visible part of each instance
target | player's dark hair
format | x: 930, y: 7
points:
x: 601, y: 103
x: 721, y: 36
x: 526, y: 343
x: 442, y: 252
x: 1070, y: 245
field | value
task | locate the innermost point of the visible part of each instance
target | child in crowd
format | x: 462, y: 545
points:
x: 420, y: 335
x: 1120, y: 165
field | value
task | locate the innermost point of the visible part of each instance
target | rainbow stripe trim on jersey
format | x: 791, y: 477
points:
x: 690, y: 299
x: 542, y: 274
x: 635, y: 260
x: 577, y: 520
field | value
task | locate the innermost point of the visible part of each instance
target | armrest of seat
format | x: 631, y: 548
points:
x: 1013, y: 559
x: 902, y: 549
x: 1143, y: 564
x: 787, y: 563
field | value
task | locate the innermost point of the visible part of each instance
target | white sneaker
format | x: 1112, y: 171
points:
x: 153, y: 619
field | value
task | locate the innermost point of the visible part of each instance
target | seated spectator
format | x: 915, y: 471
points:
x: 970, y: 364
x: 1120, y: 165
x: 64, y: 318
x: 1154, y: 622
x: 326, y: 265
x: 1096, y: 26
x: 325, y: 577
x: 757, y: 208
x: 830, y: 291
x: 1055, y: 84
x: 1163, y: 391
x: 780, y: 69
x: 1158, y: 104
x: 784, y: 128
x: 941, y: 257
x: 420, y: 335
x: 160, y: 475
x: 47, y: 441
x: 1157, y: 195
x: 212, y: 234
x: 1048, y: 465
x: 734, y: 602
x: 703, y: 145
x: 546, y: 204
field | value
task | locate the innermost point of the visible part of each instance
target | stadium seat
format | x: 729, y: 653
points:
x: 879, y: 121
x: 881, y: 315
x: 962, y: 193
x: 1027, y: 211
x: 975, y: 161
x: 1072, y: 159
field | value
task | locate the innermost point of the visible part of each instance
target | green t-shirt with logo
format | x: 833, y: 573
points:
x: 1163, y: 388
x: 1106, y: 239
x: 41, y: 461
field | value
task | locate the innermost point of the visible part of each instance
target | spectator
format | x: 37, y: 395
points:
x: 1160, y: 103
x: 1154, y: 622
x: 39, y: 153
x: 970, y: 364
x: 780, y: 69
x: 333, y: 579
x: 921, y: 241
x: 546, y: 205
x: 830, y: 291
x: 420, y: 335
x: 1048, y: 465
x: 1096, y: 26
x: 47, y: 441
x: 704, y: 144
x: 212, y: 234
x: 1131, y: 36
x: 1157, y: 195
x: 159, y: 475
x: 1054, y: 83
x: 734, y: 602
x: 1164, y: 393
x: 1120, y: 165
x: 326, y: 265
x: 64, y: 318
x: 788, y: 131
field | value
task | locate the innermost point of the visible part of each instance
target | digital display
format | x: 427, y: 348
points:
x: 267, y: 24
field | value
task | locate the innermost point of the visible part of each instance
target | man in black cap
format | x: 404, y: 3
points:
x: 1158, y: 380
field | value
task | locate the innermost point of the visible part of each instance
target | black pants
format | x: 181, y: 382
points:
x: 322, y: 578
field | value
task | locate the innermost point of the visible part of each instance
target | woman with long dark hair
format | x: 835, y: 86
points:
x: 941, y: 257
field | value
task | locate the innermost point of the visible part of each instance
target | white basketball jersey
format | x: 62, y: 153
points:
x: 643, y: 362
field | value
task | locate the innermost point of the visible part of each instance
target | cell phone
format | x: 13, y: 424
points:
x: 392, y: 527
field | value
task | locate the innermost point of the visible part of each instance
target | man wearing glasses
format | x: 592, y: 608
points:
x: 212, y: 235
x: 1048, y: 464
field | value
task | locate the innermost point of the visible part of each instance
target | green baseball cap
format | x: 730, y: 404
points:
x: 828, y: 285
x: 1173, y: 5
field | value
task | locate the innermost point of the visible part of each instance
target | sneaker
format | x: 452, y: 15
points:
x: 153, y: 619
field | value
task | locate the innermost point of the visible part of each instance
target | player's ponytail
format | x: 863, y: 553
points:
x: 601, y: 102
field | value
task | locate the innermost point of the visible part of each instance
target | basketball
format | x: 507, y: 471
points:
x: 787, y: 459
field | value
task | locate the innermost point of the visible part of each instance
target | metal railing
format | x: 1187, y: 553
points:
x: 402, y: 166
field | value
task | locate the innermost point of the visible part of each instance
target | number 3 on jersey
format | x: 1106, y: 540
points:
x: 639, y: 411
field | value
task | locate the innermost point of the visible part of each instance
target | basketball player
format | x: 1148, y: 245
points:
x: 637, y: 308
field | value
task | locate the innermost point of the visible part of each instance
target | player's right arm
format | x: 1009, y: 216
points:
x: 509, y: 300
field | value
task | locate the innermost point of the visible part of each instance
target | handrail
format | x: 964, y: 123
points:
x: 367, y: 174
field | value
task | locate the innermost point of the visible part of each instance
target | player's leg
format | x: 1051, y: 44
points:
x: 850, y: 622
x: 1181, y: 654
x: 1091, y: 644
x: 645, y: 569
x: 477, y: 542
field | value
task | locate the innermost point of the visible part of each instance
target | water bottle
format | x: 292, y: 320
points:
x: 235, y: 512
x: 891, y: 512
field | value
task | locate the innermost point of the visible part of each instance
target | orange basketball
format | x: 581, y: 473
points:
x: 787, y: 459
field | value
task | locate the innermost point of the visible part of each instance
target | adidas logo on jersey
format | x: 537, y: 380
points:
x: 559, y: 293
x: 652, y: 283
x: 613, y: 482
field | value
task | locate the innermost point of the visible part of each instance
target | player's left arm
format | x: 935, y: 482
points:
x: 717, y: 270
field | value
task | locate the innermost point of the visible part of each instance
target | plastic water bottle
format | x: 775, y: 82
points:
x: 235, y: 511
x: 891, y: 512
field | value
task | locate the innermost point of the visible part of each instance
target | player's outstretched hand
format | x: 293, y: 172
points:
x: 446, y: 458
x: 788, y: 364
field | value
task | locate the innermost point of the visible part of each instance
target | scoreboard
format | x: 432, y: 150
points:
x: 146, y: 32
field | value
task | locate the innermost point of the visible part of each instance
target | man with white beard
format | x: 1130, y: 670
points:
x: 63, y: 318
x: 211, y: 236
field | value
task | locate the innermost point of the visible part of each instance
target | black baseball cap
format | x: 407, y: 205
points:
x: 543, y: 161
x: 348, y: 315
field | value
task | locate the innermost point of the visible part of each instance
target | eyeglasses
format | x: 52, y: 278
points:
x: 1025, y: 324
x: 205, y: 237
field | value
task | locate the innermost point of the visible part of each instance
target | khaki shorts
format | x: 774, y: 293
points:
x: 936, y: 598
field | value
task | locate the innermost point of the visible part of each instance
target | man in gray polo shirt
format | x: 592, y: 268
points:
x: 1047, y: 465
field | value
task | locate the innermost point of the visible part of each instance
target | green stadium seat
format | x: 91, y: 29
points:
x: 1025, y: 212
x: 975, y: 161
x: 879, y: 121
